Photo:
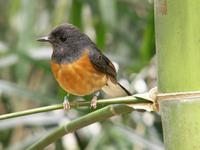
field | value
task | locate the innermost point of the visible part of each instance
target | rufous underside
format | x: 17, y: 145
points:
x: 80, y: 77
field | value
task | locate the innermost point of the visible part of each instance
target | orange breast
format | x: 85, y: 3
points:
x: 80, y: 77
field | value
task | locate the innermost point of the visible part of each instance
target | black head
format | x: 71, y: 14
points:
x: 66, y: 35
x: 67, y: 41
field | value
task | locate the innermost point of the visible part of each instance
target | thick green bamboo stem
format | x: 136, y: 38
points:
x: 88, y: 119
x: 178, y: 44
x: 181, y: 124
x: 178, y: 52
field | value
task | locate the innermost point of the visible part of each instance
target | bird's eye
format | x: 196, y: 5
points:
x: 63, y: 38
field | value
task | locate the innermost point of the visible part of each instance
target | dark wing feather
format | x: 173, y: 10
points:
x: 102, y: 63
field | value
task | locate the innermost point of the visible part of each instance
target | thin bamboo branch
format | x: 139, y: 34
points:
x: 81, y: 122
x: 31, y: 111
x: 119, y: 100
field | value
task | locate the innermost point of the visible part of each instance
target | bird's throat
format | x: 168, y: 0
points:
x: 62, y: 56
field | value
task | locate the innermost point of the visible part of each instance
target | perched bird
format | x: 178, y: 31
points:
x: 79, y: 66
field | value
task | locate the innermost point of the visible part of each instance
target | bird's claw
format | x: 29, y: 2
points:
x: 93, y: 103
x: 66, y: 104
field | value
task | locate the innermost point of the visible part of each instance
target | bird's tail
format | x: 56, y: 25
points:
x: 115, y: 89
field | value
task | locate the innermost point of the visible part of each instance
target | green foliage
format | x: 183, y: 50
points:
x: 122, y: 29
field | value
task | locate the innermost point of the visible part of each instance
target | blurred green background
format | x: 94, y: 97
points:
x: 122, y: 29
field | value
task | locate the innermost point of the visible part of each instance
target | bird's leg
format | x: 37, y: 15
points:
x: 93, y: 103
x: 66, y: 104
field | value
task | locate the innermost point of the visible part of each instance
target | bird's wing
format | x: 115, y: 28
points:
x: 103, y: 64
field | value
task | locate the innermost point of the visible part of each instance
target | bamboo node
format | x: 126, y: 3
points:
x: 154, y: 96
x: 65, y: 128
x: 112, y: 109
x: 149, y: 96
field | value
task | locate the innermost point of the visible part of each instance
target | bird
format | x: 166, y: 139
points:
x: 79, y: 67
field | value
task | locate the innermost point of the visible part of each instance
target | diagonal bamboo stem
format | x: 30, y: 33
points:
x: 88, y: 119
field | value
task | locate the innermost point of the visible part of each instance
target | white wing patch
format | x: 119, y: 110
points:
x: 113, y: 89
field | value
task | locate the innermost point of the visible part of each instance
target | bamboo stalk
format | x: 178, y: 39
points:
x: 81, y: 122
x: 104, y: 102
x: 178, y: 55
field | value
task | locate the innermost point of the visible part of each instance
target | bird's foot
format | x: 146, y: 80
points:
x: 66, y: 104
x: 93, y: 103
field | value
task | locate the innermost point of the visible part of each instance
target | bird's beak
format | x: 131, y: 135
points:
x: 44, y: 39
